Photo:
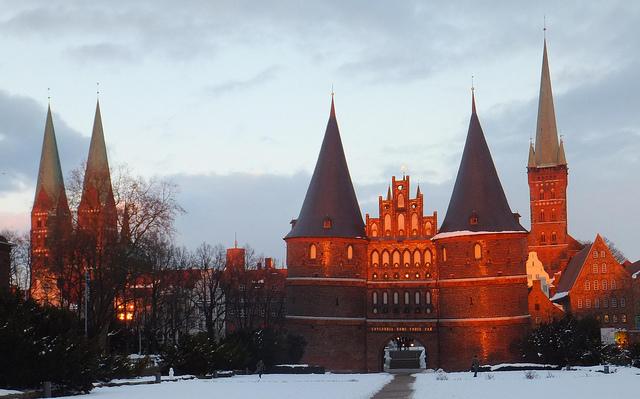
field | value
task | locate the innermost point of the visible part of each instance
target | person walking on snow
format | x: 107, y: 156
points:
x: 475, y: 365
x: 260, y: 368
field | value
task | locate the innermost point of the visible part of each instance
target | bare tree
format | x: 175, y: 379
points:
x: 20, y: 272
x: 209, y: 294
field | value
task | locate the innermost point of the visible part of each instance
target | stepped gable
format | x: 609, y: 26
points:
x: 330, y: 207
x: 478, y: 202
x: 50, y: 190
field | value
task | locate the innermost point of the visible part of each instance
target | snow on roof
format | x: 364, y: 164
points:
x: 558, y: 296
x: 472, y: 233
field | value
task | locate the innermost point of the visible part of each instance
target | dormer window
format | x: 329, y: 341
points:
x: 313, y: 251
x: 473, y: 219
x: 477, y: 251
x: 350, y: 252
x: 327, y: 223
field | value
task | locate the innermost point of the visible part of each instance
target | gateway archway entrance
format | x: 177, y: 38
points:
x: 402, y: 353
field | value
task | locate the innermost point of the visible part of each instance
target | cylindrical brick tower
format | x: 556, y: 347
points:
x: 326, y: 261
x: 482, y: 250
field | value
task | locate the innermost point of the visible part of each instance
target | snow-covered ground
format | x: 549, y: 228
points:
x: 4, y: 392
x: 271, y: 386
x: 583, y: 383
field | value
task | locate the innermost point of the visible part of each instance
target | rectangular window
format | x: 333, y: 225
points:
x: 604, y: 285
x: 605, y: 302
x: 604, y: 268
x: 587, y: 303
x: 587, y: 286
x: 614, y: 303
x: 595, y: 284
x: 613, y: 284
x: 596, y: 303
x: 606, y: 318
x: 579, y: 303
x: 595, y: 268
x: 623, y: 302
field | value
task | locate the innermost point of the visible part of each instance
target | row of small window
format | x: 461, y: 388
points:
x: 542, y: 218
x: 543, y: 237
x: 407, y: 259
x: 550, y: 195
x: 417, y: 298
x: 407, y: 309
x: 400, y: 225
x: 596, y: 285
x: 396, y: 275
x: 614, y: 318
x: 313, y: 252
x: 602, y: 269
x: 602, y: 254
x: 605, y: 303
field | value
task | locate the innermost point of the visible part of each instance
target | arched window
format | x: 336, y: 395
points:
x: 553, y: 193
x: 417, y: 298
x: 541, y: 215
x: 396, y: 258
x: 375, y: 298
x: 604, y: 285
x: 313, y: 251
x: 414, y: 221
x: 406, y: 258
x: 543, y: 238
x: 385, y: 258
x: 385, y: 298
x: 396, y: 298
x: 406, y: 298
x: 553, y: 214
x: 477, y: 251
x: 594, y: 269
x: 387, y: 223
x: 595, y: 254
x: 587, y: 285
x: 444, y: 254
x: 350, y: 252
x: 374, y: 230
x: 401, y: 224
x: 541, y: 194
x: 427, y: 257
x: 400, y: 201
x: 613, y: 284
x: 554, y: 237
x: 427, y: 297
x: 604, y: 268
x: 427, y: 228
x: 416, y: 258
x: 375, y: 259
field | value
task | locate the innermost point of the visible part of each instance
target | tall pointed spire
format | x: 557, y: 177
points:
x: 418, y: 192
x: 50, y: 184
x: 546, y: 148
x: 478, y: 202
x: 389, y: 193
x: 330, y: 207
x: 97, y: 176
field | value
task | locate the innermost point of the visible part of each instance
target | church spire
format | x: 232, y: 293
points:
x: 546, y: 147
x: 478, y: 202
x: 97, y: 178
x: 50, y: 185
x: 330, y: 207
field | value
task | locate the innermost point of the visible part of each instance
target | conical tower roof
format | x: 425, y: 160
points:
x: 547, y: 146
x: 97, y: 178
x: 50, y: 184
x: 478, y: 202
x: 330, y: 207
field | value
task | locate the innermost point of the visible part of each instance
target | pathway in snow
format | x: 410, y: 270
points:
x: 401, y: 387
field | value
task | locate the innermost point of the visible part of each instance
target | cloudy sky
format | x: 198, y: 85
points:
x: 229, y: 99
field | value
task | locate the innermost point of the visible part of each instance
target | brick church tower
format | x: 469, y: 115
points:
x: 326, y: 261
x: 482, y: 249
x: 50, y: 222
x: 97, y: 214
x: 548, y: 178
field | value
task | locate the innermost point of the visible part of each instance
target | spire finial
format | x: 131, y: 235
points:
x: 49, y: 95
x: 473, y: 97
x: 98, y: 89
x: 333, y: 108
x: 544, y: 26
x: 235, y: 240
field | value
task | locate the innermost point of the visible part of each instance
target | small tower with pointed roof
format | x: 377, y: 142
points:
x: 481, y: 251
x: 326, y: 262
x: 97, y: 214
x: 50, y: 221
x: 548, y: 179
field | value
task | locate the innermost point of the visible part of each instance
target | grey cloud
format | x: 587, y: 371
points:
x: 100, y: 52
x: 21, y: 133
x: 233, y: 86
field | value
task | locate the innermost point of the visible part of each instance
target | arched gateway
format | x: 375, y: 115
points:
x: 404, y: 353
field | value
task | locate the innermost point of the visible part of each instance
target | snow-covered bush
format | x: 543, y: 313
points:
x: 530, y: 375
x: 489, y: 376
x: 441, y: 375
